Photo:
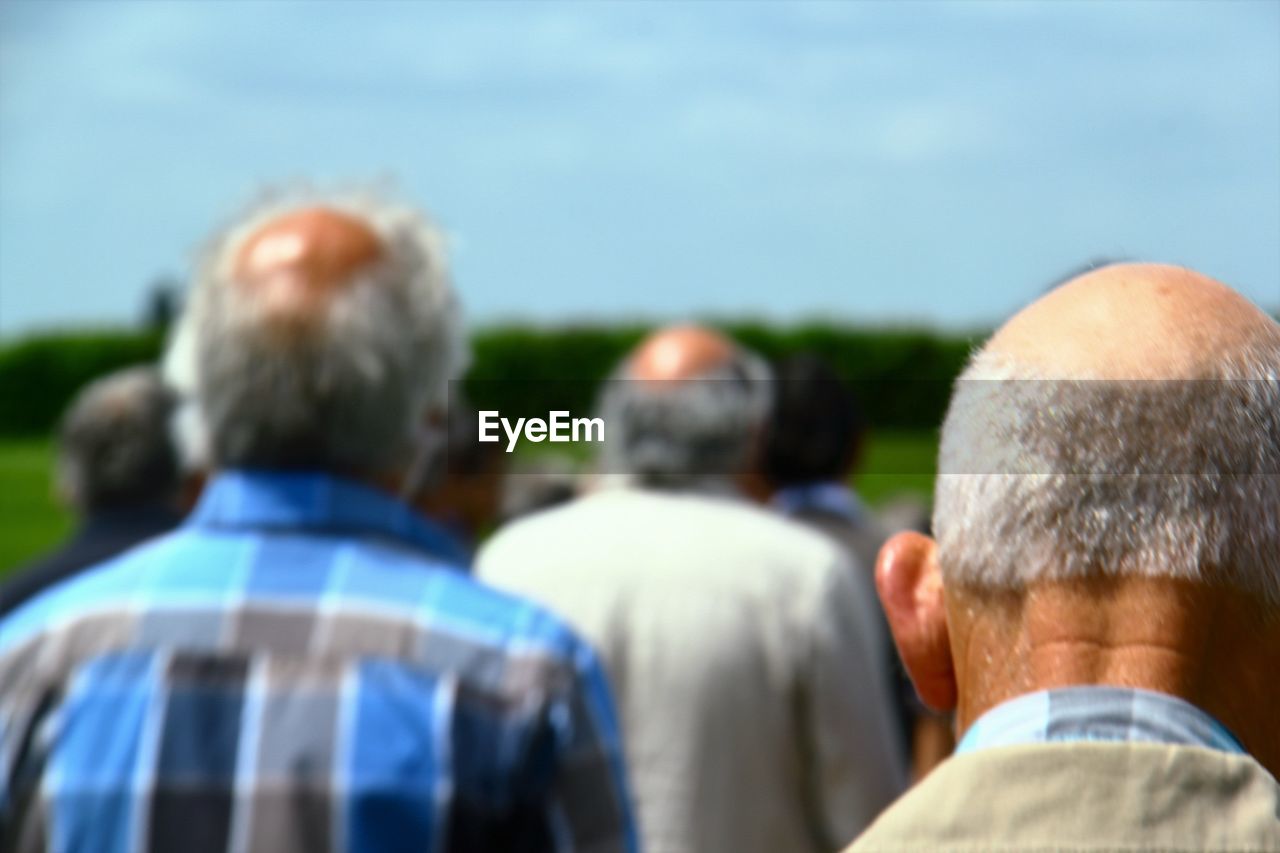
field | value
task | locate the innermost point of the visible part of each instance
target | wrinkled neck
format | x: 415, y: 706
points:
x: 1206, y: 645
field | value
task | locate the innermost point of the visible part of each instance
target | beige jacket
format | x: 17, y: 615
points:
x: 743, y: 657
x: 1085, y: 797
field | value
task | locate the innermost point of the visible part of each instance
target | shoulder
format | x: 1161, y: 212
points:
x: 93, y: 589
x: 673, y: 515
x: 1094, y: 796
x: 223, y: 592
x: 29, y: 580
x: 707, y: 543
x: 198, y: 569
x: 790, y: 553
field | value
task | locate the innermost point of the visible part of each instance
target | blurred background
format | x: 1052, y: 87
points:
x: 880, y: 183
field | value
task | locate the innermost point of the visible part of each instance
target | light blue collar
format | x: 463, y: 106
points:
x: 829, y: 498
x: 320, y: 502
x: 1097, y: 713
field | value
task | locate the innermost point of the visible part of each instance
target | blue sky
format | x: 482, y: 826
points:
x: 846, y: 161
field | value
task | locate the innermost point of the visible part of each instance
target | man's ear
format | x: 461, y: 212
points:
x: 910, y: 588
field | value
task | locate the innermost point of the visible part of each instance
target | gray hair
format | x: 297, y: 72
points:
x: 1059, y: 479
x: 190, y: 438
x: 678, y: 433
x: 347, y: 394
x: 113, y: 445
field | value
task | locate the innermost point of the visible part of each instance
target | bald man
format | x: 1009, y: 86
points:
x: 745, y: 657
x: 1102, y: 605
x: 305, y: 665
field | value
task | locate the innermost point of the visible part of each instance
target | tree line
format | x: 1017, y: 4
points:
x: 903, y: 376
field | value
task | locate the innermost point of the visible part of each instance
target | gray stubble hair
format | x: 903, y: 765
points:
x: 1047, y: 479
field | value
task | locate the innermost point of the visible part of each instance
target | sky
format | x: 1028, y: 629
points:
x: 859, y: 162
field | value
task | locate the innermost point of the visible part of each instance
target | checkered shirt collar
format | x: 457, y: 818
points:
x: 318, y: 502
x: 1097, y: 713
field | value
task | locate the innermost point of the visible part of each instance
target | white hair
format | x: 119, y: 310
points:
x: 685, y: 432
x: 348, y: 392
x: 190, y: 438
x: 1059, y: 479
x: 186, y: 425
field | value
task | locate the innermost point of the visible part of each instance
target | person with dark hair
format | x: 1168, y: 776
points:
x: 812, y: 444
x: 117, y: 470
x: 812, y: 447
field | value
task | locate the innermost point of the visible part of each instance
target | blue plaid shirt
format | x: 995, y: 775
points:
x: 1097, y: 713
x: 301, y: 667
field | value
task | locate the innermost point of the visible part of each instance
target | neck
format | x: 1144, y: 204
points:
x: 1203, y: 644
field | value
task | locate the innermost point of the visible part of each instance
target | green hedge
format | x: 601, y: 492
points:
x: 903, y: 376
x: 39, y: 375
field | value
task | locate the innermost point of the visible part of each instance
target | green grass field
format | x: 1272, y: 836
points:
x: 898, y: 464
x: 31, y: 521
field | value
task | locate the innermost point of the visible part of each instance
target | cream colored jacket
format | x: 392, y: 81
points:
x: 1085, y: 797
x: 744, y: 659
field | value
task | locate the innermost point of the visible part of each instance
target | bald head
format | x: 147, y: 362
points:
x: 693, y: 419
x: 680, y: 352
x: 319, y: 333
x: 295, y: 262
x: 1133, y: 321
x: 1107, y: 509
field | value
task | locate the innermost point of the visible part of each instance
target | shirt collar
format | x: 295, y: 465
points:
x: 831, y: 498
x: 314, y: 501
x: 1097, y: 713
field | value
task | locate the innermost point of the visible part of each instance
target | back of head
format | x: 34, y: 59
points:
x: 320, y: 330
x: 1126, y: 424
x: 686, y: 407
x: 114, y: 448
x: 1107, y: 508
x: 815, y: 426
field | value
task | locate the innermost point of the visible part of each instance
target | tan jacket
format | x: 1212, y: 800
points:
x: 743, y: 657
x: 1086, y: 797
